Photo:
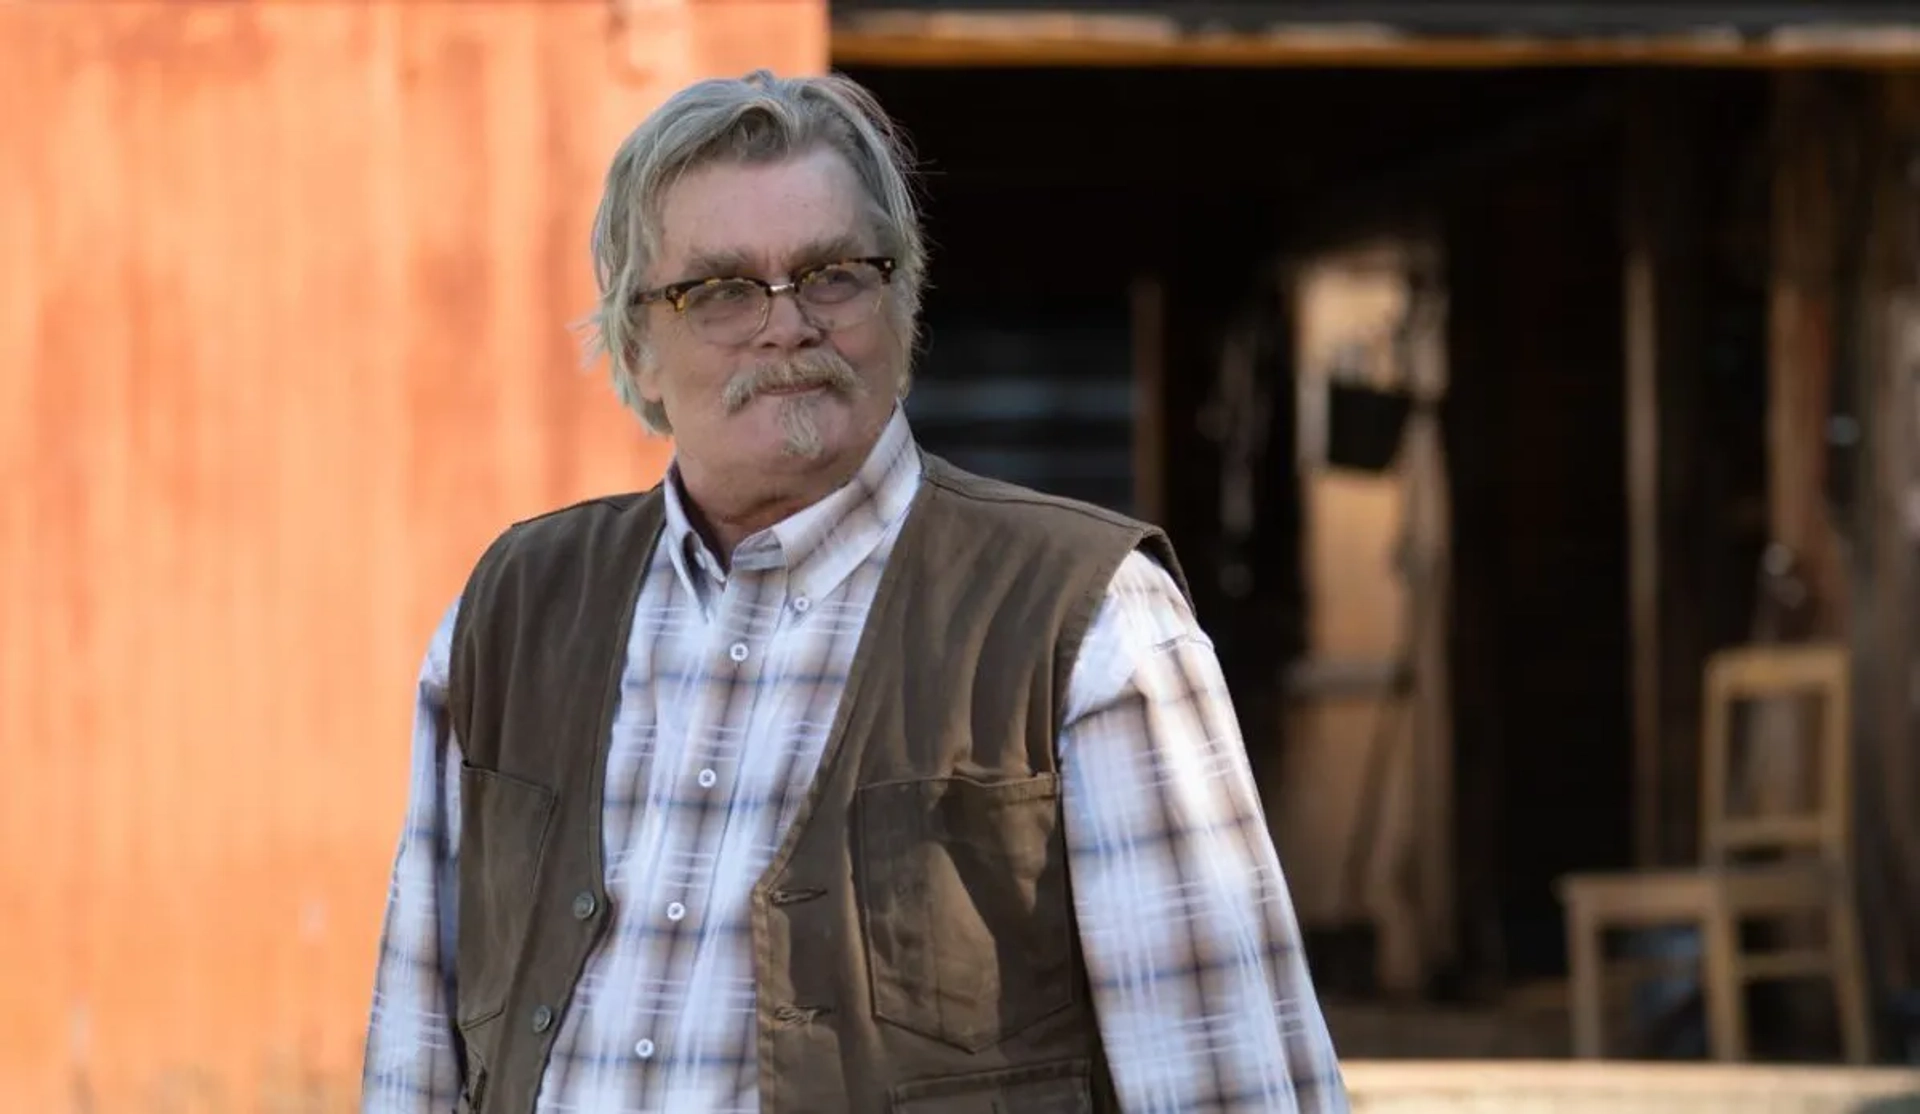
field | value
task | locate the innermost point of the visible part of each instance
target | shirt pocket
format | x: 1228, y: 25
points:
x: 964, y: 895
x: 1061, y: 1087
x: 503, y: 838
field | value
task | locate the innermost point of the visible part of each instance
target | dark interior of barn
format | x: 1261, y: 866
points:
x: 1049, y: 192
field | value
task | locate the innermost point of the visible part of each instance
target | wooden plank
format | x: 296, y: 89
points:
x: 1801, y: 351
x: 1805, y: 594
x: 1643, y: 539
x: 1889, y: 751
x: 1081, y: 38
x: 1891, y: 821
x: 1665, y: 225
x: 1149, y: 313
x: 287, y: 295
x: 1428, y: 503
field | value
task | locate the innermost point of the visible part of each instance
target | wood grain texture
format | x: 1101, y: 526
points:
x: 284, y: 296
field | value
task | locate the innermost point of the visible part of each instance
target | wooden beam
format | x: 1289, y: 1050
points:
x: 1058, y: 38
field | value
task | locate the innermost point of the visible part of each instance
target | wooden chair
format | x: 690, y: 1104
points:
x: 1727, y: 889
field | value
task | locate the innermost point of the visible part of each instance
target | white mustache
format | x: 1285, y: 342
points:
x: 813, y: 370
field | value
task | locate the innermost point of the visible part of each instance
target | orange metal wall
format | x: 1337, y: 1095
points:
x: 284, y: 290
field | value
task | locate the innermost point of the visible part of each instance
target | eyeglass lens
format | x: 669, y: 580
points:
x: 834, y: 297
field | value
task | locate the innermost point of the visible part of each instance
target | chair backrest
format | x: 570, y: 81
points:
x: 1759, y: 673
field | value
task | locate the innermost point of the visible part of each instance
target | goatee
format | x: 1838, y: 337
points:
x: 818, y: 370
x: 802, y: 427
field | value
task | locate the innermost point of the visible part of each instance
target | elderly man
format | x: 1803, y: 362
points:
x: 824, y: 776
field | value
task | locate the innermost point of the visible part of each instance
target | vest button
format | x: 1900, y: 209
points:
x: 542, y: 1019
x: 584, y: 905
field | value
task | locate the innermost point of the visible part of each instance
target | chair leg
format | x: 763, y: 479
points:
x: 1849, y: 984
x: 1723, y: 989
x: 1586, y: 961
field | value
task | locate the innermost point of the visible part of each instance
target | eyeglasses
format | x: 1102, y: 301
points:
x: 733, y: 310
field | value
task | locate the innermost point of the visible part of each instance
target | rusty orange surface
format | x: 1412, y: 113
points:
x: 284, y: 302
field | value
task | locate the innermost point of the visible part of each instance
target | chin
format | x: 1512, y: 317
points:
x: 808, y: 428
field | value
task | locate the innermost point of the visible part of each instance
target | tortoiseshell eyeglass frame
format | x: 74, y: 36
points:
x: 675, y: 293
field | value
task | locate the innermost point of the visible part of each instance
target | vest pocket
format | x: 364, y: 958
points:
x: 503, y: 834
x: 472, y: 1092
x: 969, y: 930
x: 481, y: 1039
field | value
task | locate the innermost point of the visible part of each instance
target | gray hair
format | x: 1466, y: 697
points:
x: 759, y: 118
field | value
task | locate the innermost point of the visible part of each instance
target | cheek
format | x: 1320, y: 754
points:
x: 684, y: 368
x: 875, y: 348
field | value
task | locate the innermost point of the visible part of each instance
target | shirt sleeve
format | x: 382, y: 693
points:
x: 1192, y: 946
x: 412, y: 1066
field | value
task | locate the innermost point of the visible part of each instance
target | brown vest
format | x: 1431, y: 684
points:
x: 914, y: 943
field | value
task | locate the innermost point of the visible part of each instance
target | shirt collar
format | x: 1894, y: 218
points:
x: 819, y: 545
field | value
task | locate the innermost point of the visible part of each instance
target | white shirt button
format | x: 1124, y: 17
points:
x: 801, y: 603
x: 737, y: 651
x: 643, y: 1049
x: 675, y: 911
x: 706, y: 779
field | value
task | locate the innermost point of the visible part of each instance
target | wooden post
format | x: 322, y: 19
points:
x: 1821, y: 139
x: 1428, y: 568
x: 1804, y: 594
x: 1889, y: 777
x: 1665, y: 248
x: 1800, y: 359
x: 1643, y: 541
x: 1149, y: 398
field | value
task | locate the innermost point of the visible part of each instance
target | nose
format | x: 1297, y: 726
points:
x: 787, y: 325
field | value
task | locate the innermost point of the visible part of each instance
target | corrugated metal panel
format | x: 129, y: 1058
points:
x: 283, y: 295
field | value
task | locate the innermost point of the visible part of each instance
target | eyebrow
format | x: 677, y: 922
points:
x: 734, y: 263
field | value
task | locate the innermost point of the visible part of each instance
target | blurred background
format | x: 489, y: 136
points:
x: 1524, y: 384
